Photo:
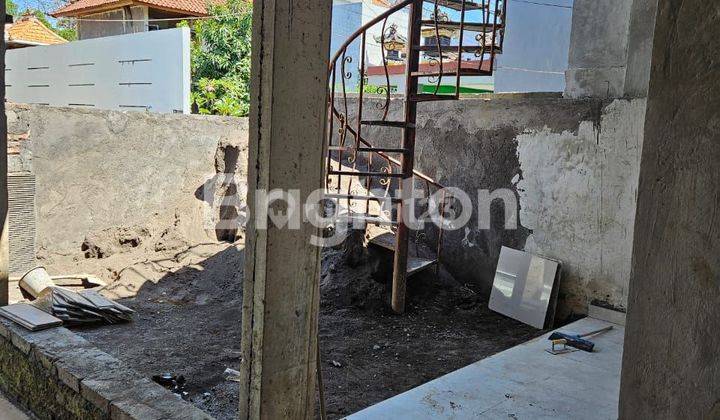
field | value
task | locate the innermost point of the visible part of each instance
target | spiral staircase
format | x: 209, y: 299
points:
x: 370, y: 142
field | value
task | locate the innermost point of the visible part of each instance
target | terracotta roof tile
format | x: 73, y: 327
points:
x: 30, y: 29
x: 83, y: 7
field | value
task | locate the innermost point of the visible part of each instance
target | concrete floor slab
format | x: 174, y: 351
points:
x: 9, y: 411
x: 522, y: 382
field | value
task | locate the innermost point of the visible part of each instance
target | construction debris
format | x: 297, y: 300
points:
x: 71, y: 307
x: 29, y: 317
x: 82, y: 308
x: 174, y: 383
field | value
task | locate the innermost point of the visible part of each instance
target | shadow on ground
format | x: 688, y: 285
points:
x: 189, y: 323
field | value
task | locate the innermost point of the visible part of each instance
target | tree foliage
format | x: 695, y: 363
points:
x: 62, y: 27
x: 10, y: 7
x: 220, y: 59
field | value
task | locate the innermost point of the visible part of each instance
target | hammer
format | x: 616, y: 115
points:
x: 575, y: 340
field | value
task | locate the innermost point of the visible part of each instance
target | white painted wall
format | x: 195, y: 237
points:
x: 148, y: 71
x: 578, y: 194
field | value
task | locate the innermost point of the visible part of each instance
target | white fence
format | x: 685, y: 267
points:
x: 143, y: 71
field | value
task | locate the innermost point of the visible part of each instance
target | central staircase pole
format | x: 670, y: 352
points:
x: 408, y: 143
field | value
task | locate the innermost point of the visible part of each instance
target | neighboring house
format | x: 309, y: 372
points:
x: 350, y: 15
x: 28, y: 31
x: 94, y: 17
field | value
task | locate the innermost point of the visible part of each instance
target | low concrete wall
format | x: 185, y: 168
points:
x: 573, y: 165
x: 56, y: 374
x: 100, y: 169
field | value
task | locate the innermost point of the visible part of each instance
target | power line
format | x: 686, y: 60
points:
x: 544, y: 4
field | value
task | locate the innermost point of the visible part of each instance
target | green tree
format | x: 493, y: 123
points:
x: 62, y: 27
x: 220, y: 58
x: 11, y: 8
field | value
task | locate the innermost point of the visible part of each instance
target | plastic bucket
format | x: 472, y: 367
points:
x: 35, y: 281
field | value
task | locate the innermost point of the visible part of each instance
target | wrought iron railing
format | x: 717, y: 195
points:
x: 352, y: 160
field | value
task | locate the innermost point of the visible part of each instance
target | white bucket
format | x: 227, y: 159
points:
x: 35, y: 281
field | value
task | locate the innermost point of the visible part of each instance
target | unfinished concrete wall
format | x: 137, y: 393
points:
x: 598, y: 48
x: 138, y: 15
x: 610, y: 47
x: 640, y: 43
x: 572, y: 165
x: 101, y: 169
x: 671, y: 367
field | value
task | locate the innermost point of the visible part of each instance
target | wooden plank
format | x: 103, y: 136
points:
x: 4, y: 247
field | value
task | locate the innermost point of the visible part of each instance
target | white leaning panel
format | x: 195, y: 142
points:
x: 523, y: 287
x: 145, y: 71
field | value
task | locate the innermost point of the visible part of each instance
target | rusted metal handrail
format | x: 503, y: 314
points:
x: 392, y: 168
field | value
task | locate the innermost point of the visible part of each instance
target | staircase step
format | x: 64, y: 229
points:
x: 468, y: 26
x: 360, y: 173
x: 360, y: 197
x: 457, y: 5
x: 377, y: 220
x: 382, y: 149
x: 414, y: 264
x: 428, y: 97
x: 453, y: 48
x: 383, y: 123
x: 366, y: 149
x: 463, y: 72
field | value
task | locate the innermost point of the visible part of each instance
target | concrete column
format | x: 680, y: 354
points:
x: 671, y: 367
x: 4, y: 248
x: 640, y: 43
x: 291, y: 40
x: 598, y: 49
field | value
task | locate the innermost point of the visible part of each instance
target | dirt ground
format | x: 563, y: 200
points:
x: 188, y: 302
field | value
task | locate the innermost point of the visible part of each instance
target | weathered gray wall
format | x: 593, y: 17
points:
x: 573, y: 165
x: 598, y: 48
x: 88, y: 29
x: 610, y: 46
x: 100, y: 169
x: 640, y: 43
x: 671, y: 368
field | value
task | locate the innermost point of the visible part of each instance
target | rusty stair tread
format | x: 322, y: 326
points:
x: 464, y: 72
x: 414, y: 264
x: 361, y: 173
x: 360, y: 197
x: 366, y: 149
x: 377, y: 220
x: 384, y: 123
x: 454, y: 48
x: 468, y: 26
x: 457, y: 5
x: 428, y: 97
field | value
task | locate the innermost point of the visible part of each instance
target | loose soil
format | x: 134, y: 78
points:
x: 188, y: 302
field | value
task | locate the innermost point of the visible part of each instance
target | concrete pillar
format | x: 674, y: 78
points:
x: 640, y: 43
x: 4, y: 248
x: 291, y: 40
x: 598, y: 48
x: 671, y: 367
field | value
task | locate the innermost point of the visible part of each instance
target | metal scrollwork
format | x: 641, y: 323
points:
x: 388, y: 170
x: 347, y: 60
x: 386, y: 32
